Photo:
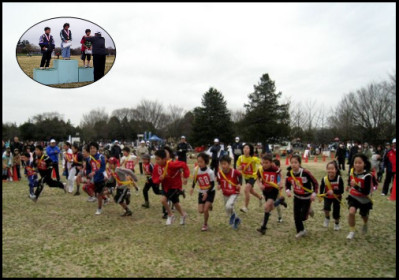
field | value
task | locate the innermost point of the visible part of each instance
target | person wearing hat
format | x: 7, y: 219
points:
x: 86, y: 45
x: 237, y: 150
x: 53, y: 152
x: 99, y: 54
x: 390, y: 165
x: 182, y: 149
x: 116, y: 150
x: 66, y: 37
x: 215, y: 150
x: 142, y: 150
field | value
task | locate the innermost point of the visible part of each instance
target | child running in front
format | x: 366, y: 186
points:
x: 128, y: 162
x: 280, y: 201
x: 229, y: 181
x: 123, y: 178
x: 247, y: 165
x: 332, y: 188
x: 305, y: 191
x: 205, y: 178
x: 167, y: 173
x: 267, y: 180
x: 360, y: 183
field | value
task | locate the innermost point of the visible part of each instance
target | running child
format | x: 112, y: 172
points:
x: 280, y: 201
x: 205, y: 178
x: 148, y: 168
x: 95, y: 167
x: 332, y: 188
x: 305, y: 191
x: 229, y: 181
x: 167, y: 173
x: 76, y: 167
x: 44, y: 166
x: 123, y: 177
x: 247, y: 165
x: 360, y: 184
x: 68, y: 161
x: 267, y: 180
x: 7, y: 163
x: 30, y: 173
x: 128, y: 162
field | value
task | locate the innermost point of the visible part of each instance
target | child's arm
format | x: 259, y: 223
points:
x: 322, y: 186
x: 155, y: 176
x: 340, y: 190
x: 288, y: 186
x: 259, y: 180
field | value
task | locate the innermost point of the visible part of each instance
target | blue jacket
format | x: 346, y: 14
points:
x: 50, y: 151
x: 99, y: 175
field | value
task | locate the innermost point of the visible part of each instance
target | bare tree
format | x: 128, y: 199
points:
x: 237, y: 115
x: 93, y: 117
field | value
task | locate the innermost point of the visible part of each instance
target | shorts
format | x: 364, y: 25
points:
x: 328, y: 202
x: 250, y: 181
x: 271, y: 194
x: 210, y: 198
x: 172, y: 195
x: 110, y: 185
x: 88, y: 187
x: 364, y: 208
x: 84, y: 55
x: 122, y: 195
x: 99, y: 187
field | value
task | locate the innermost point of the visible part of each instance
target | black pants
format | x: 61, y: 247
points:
x: 155, y: 189
x: 215, y: 165
x: 50, y: 182
x: 235, y: 161
x: 388, y: 179
x: 18, y: 167
x: 336, y: 205
x: 301, y: 211
x: 57, y: 170
x: 341, y: 164
x: 141, y: 168
x: 46, y: 59
x: 99, y: 66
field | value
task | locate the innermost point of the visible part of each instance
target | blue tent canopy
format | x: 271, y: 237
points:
x: 154, y: 138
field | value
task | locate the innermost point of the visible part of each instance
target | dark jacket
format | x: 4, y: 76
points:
x: 98, y: 45
x: 44, y: 43
x: 182, y: 155
x: 341, y: 153
x: 64, y: 35
x: 390, y: 161
x: 215, y: 150
x: 18, y: 146
x: 116, y: 151
x: 236, y: 146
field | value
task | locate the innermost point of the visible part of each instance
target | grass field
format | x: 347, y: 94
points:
x: 59, y: 236
x: 28, y: 63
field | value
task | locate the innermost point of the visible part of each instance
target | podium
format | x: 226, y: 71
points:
x: 64, y: 71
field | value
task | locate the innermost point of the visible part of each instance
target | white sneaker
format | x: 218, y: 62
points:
x: 337, y: 227
x: 183, y: 219
x: 351, y: 235
x: 244, y: 210
x: 170, y: 220
x: 383, y: 194
x: 138, y: 191
x: 326, y: 223
x: 47, y: 68
x: 92, y: 199
x: 98, y: 212
x: 301, y: 234
x: 261, y: 201
x: 32, y: 196
x: 41, y: 68
x: 280, y: 220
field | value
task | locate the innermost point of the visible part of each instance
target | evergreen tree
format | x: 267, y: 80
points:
x: 266, y: 120
x: 212, y: 120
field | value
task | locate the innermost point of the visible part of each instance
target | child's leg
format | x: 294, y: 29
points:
x: 254, y: 193
x: 19, y: 171
x: 352, y: 219
x: 336, y: 211
x: 71, y: 178
x: 278, y: 208
x: 297, y: 215
x: 48, y: 59
x: 229, y: 202
x: 201, y: 208
x: 145, y: 192
x: 206, y: 212
x: 179, y: 209
x: 164, y: 201
x: 248, y: 189
x: 269, y: 206
x: 156, y: 189
x: 43, y: 61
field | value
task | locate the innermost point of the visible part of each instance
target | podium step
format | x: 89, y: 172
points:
x: 46, y: 77
x: 86, y: 74
x: 67, y: 71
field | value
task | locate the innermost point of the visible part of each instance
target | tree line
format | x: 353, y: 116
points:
x: 367, y: 114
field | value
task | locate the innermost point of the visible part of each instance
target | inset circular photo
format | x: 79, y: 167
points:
x: 66, y: 52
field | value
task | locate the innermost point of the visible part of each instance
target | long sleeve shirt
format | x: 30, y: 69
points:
x: 172, y: 178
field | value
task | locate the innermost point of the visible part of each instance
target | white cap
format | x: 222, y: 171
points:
x: 183, y: 137
x: 52, y: 141
x: 394, y: 141
x: 142, y: 142
x: 237, y: 138
x: 216, y: 140
x: 116, y: 141
x: 98, y: 32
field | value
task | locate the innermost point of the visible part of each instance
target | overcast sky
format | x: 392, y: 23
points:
x: 76, y: 26
x: 174, y: 52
